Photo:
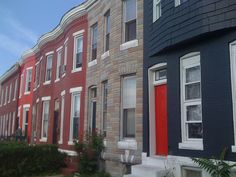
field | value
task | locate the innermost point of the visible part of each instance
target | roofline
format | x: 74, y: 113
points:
x: 69, y: 16
x: 9, y: 72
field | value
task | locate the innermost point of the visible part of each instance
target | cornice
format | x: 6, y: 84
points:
x: 9, y: 72
x: 67, y: 18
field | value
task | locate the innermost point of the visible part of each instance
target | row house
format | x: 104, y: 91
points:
x: 86, y: 75
x: 9, y: 86
x: 189, y: 85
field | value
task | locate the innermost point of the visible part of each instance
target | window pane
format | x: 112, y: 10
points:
x: 130, y: 31
x: 130, y: 10
x: 78, y: 60
x: 195, y: 130
x: 160, y: 74
x: 192, y: 91
x: 75, y: 128
x: 129, y: 92
x: 194, y: 113
x: 193, y: 74
x: 129, y: 123
x: 77, y: 106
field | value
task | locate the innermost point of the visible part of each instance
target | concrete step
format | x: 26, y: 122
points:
x: 131, y: 176
x: 146, y: 170
x: 158, y: 161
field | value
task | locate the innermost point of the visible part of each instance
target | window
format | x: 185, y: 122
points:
x: 178, y: 2
x: 62, y: 117
x: 13, y: 123
x: 104, y: 105
x: 10, y: 93
x: 37, y: 74
x: 21, y: 85
x: 28, y: 80
x: 156, y: 10
x: 25, y: 121
x: 191, y: 172
x: 94, y: 34
x: 160, y: 74
x: 63, y: 67
x: 49, y: 68
x: 92, y: 108
x: 75, y: 116
x: 6, y: 93
x: 15, y: 91
x: 128, y: 106
x: 78, y: 55
x: 107, y: 30
x: 58, y: 73
x: 45, y: 118
x: 192, y: 128
x: 9, y: 123
x: 2, y: 96
x: 130, y: 19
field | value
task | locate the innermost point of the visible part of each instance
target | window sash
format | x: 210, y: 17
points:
x: 79, y: 52
x: 130, y: 30
x: 130, y: 9
x: 45, y: 117
x: 94, y: 31
x: 49, y: 68
x: 107, y: 31
x: 59, y: 54
x: 104, y: 98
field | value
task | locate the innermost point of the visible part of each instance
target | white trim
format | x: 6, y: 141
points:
x: 66, y: 40
x: 76, y: 70
x: 47, y: 82
x: 41, y: 59
x: 29, y: 68
x: 92, y: 63
x: 60, y: 48
x: 26, y: 106
x: 49, y: 53
x: 191, y: 145
x: 79, y: 32
x: 37, y: 100
x: 57, y: 80
x: 27, y: 93
x: 126, y: 144
x: 232, y: 48
x: 43, y: 140
x: 63, y: 75
x: 105, y: 55
x: 152, y: 113
x: 68, y: 152
x: 155, y: 15
x: 129, y: 44
x: 47, y: 98
x: 76, y: 89
x: 63, y: 93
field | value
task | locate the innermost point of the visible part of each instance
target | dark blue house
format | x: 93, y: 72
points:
x: 189, y: 84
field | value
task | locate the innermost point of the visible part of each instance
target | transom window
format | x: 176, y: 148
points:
x: 192, y: 128
x: 130, y: 15
x: 160, y: 74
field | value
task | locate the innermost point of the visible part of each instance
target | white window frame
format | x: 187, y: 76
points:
x: 188, y: 61
x: 15, y: 89
x: 92, y: 41
x: 77, y: 35
x: 156, y: 8
x: 232, y: 48
x: 62, y: 116
x: 74, y: 92
x: 65, y: 56
x: 28, y: 80
x: 21, y: 85
x: 10, y: 93
x: 44, y: 101
x: 177, y: 3
x: 2, y: 96
x: 122, y: 108
x: 6, y: 94
x: 37, y: 75
x: 48, y: 56
x: 124, y: 22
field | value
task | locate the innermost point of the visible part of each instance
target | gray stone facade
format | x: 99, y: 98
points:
x: 123, y: 59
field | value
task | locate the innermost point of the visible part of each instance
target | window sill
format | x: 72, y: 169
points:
x: 71, y: 143
x: 129, y: 44
x: 76, y: 70
x: 130, y: 144
x: 26, y: 93
x: 57, y: 80
x: 92, y: 63
x: 191, y: 145
x: 63, y: 75
x: 60, y: 142
x: 43, y: 140
x: 47, y: 83
x: 105, y: 55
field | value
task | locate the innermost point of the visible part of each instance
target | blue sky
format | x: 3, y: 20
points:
x: 22, y: 22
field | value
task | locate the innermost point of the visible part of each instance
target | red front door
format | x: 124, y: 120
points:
x: 161, y: 120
